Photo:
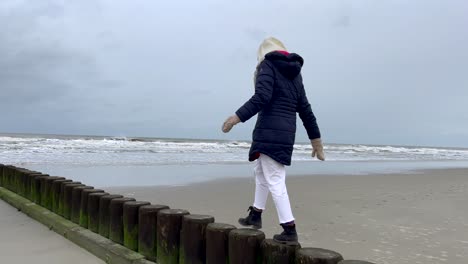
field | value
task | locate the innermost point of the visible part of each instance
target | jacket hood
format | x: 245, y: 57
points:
x: 289, y: 64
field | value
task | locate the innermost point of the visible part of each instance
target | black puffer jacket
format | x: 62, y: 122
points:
x: 279, y: 95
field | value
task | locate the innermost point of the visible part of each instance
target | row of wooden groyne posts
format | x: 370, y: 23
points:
x: 161, y: 234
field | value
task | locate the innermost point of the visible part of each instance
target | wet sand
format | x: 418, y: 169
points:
x: 417, y: 217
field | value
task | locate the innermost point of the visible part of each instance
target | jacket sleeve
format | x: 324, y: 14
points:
x: 307, y: 116
x: 263, y: 92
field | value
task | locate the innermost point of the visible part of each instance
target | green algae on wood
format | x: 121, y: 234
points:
x: 130, y: 223
x: 116, y: 219
x: 93, y: 211
x: 84, y: 216
x: 104, y: 216
x: 168, y: 235
x: 147, y: 223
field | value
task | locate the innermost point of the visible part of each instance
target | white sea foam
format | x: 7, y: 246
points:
x: 109, y: 151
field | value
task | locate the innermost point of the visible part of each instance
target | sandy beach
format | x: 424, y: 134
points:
x: 416, y: 217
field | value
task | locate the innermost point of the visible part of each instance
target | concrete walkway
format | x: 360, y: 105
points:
x: 23, y: 240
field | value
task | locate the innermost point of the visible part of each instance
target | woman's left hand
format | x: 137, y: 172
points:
x: 317, y: 149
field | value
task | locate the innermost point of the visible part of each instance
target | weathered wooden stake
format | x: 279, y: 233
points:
x: 244, y: 246
x: 278, y: 253
x: 65, y: 198
x: 1, y: 175
x: 317, y: 255
x: 22, y: 174
x: 4, y: 174
x: 104, y: 214
x: 93, y: 211
x: 76, y: 203
x: 168, y: 235
x: 30, y: 183
x: 55, y: 191
x: 217, y: 243
x: 46, y: 196
x: 147, y: 222
x: 36, y: 190
x: 130, y: 223
x: 84, y: 216
x: 48, y: 191
x: 193, y: 238
x: 16, y: 175
x: 16, y: 181
x: 116, y: 219
x: 9, y: 177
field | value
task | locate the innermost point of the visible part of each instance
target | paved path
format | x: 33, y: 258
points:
x: 23, y: 240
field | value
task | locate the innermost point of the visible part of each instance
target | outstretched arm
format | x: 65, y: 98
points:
x: 263, y: 92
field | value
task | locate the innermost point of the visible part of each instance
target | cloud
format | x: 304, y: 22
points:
x: 375, y: 71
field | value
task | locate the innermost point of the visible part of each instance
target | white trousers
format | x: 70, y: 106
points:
x: 270, y: 177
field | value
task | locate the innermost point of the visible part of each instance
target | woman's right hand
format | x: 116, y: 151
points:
x: 317, y: 149
x: 230, y: 122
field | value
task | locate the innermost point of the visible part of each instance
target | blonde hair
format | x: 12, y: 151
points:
x: 268, y: 45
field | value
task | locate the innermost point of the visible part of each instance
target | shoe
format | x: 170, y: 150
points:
x: 254, y: 219
x: 288, y: 235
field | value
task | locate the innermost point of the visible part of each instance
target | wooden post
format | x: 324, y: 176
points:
x: 93, y: 211
x: 147, y: 222
x: 116, y: 219
x: 30, y: 185
x: 26, y: 184
x: 354, y: 262
x: 244, y: 246
x: 1, y: 175
x: 104, y: 216
x: 168, y: 235
x: 46, y: 187
x: 217, y: 243
x: 76, y: 203
x: 10, y: 171
x: 48, y: 190
x: 130, y: 223
x: 193, y: 238
x: 6, y: 171
x: 65, y: 198
x: 84, y: 216
x: 278, y: 253
x: 43, y: 200
x: 8, y: 176
x: 21, y: 177
x: 16, y: 181
x: 55, y: 194
x: 36, y: 190
x: 317, y: 255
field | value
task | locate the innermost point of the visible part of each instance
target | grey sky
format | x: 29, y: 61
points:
x: 381, y: 72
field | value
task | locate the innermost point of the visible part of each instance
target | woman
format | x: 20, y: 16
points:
x: 279, y: 95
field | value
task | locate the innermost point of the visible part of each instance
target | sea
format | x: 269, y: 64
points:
x: 138, y: 161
